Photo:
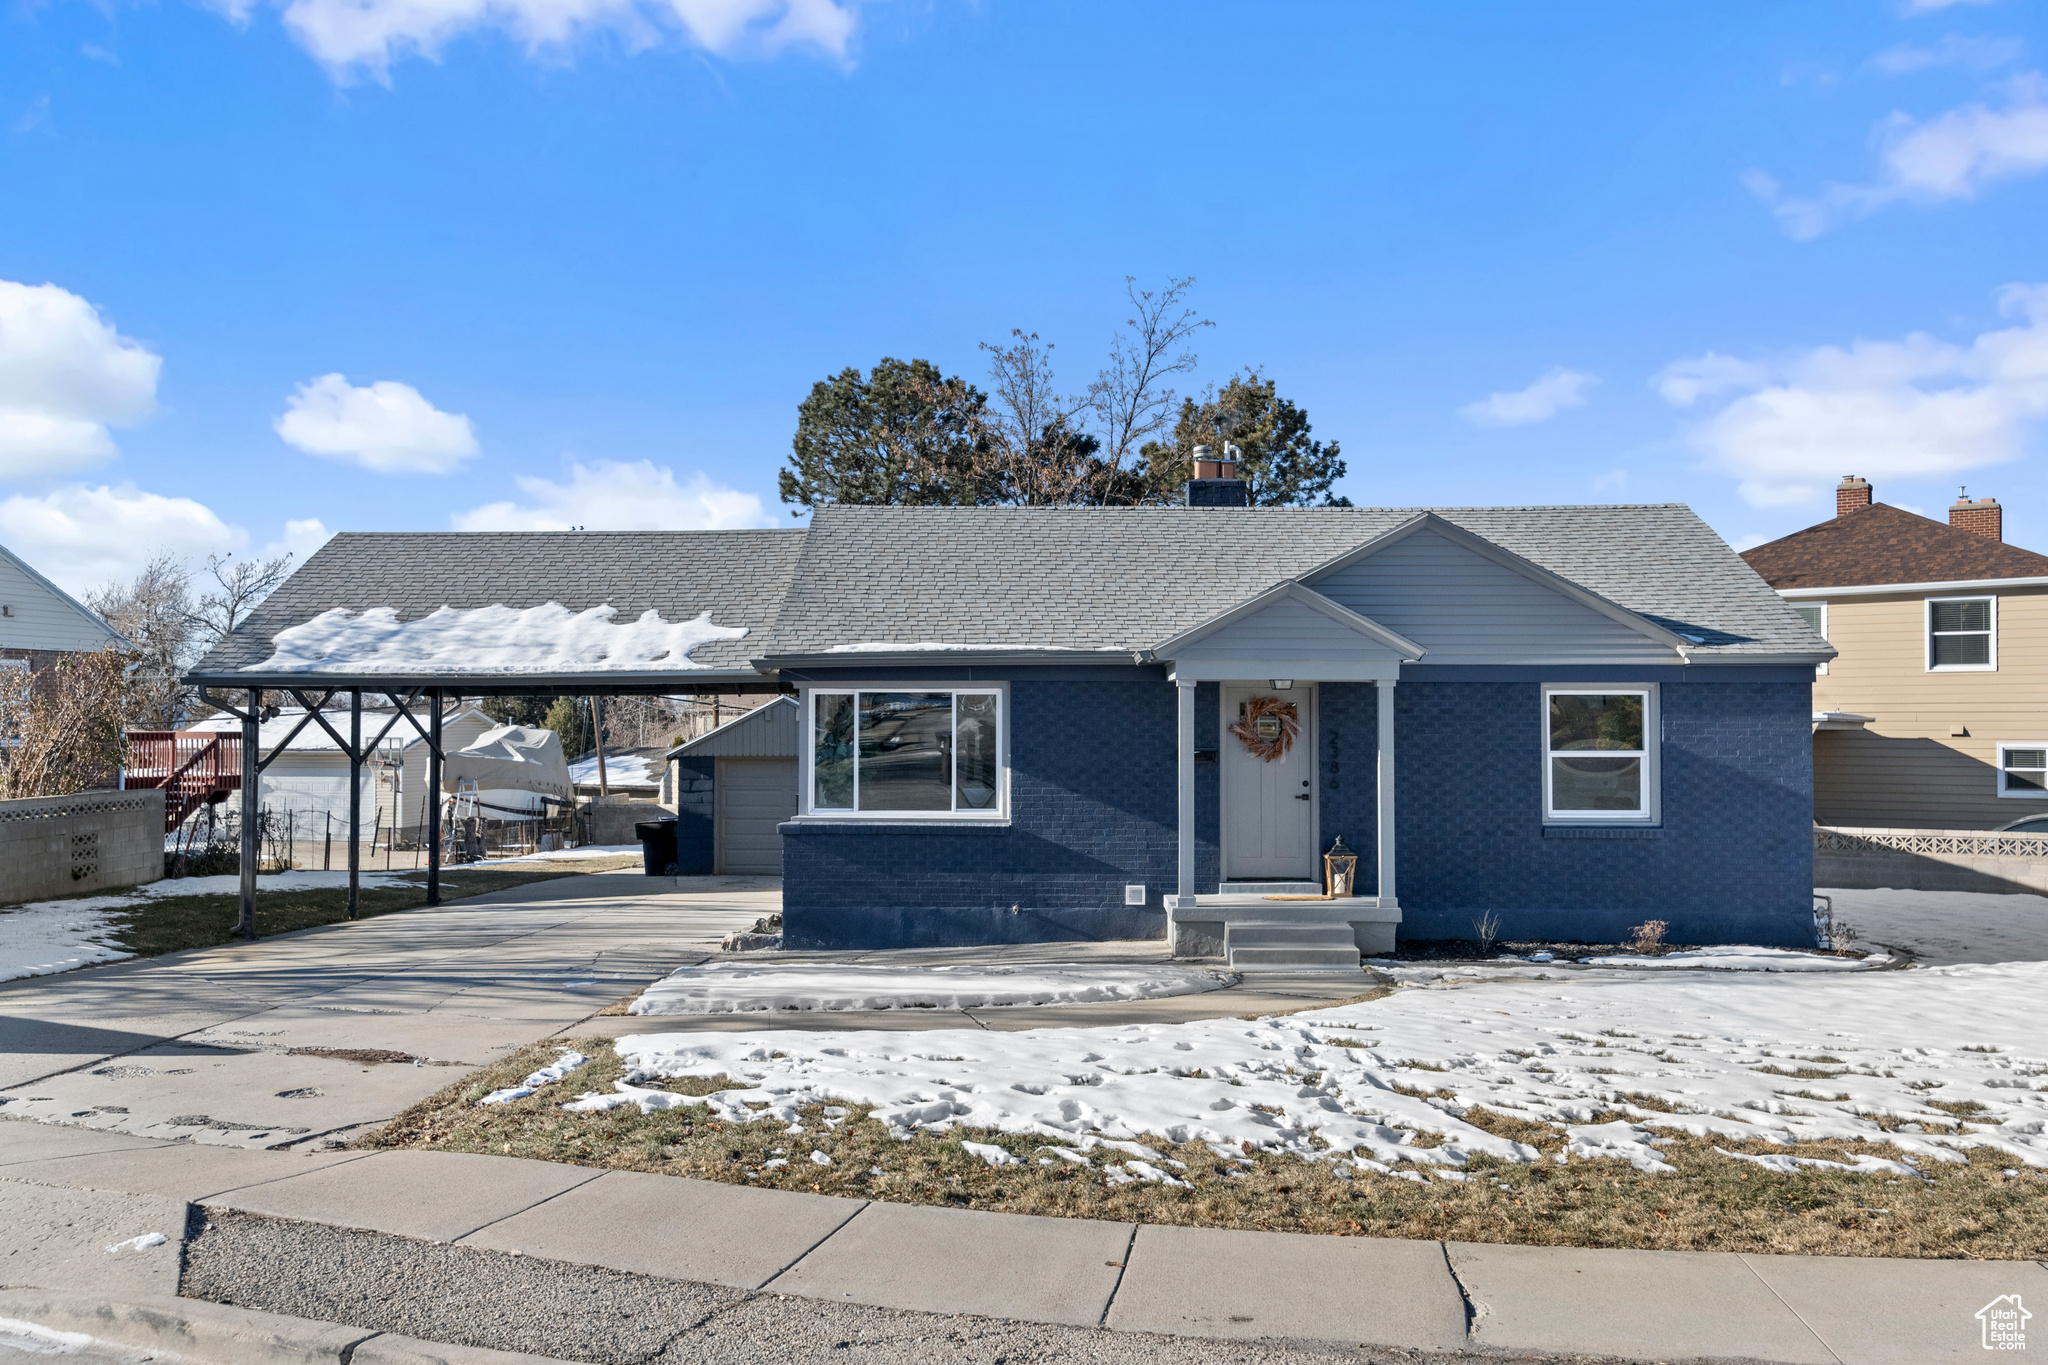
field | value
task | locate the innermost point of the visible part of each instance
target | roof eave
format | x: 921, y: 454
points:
x: 1809, y: 658
x: 1940, y: 585
x: 473, y: 684
x: 946, y: 658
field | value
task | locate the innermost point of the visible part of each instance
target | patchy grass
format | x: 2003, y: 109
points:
x: 1962, y: 1211
x: 169, y: 924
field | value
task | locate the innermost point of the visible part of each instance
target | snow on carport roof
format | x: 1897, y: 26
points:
x: 516, y: 611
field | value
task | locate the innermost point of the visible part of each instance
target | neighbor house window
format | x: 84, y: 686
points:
x: 930, y: 751
x: 1815, y: 614
x: 1962, y: 633
x: 1600, y: 753
x: 2023, y: 770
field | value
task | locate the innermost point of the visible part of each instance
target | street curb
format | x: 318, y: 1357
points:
x: 225, y: 1335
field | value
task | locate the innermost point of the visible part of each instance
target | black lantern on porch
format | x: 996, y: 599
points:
x: 1340, y: 870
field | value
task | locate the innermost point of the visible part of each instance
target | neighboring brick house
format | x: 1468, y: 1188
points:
x: 1933, y: 714
x: 40, y: 622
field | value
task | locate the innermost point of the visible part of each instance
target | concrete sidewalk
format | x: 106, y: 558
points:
x: 1420, y: 1296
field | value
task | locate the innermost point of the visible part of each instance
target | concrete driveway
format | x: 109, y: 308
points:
x: 275, y: 1043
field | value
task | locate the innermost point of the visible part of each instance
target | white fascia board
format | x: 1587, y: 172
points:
x: 1879, y: 589
x: 943, y: 658
x: 1308, y: 597
x: 1509, y: 560
x: 91, y: 616
x: 1805, y: 657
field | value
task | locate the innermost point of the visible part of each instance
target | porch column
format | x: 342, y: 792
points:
x: 252, y: 847
x: 1384, y: 848
x: 1186, y: 797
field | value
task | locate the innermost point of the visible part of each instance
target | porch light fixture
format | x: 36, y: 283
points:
x: 1340, y: 870
x: 1283, y: 684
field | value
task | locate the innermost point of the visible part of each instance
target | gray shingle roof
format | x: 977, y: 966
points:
x: 1092, y: 578
x: 738, y: 576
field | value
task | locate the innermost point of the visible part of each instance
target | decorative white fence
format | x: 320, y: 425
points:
x: 1930, y: 859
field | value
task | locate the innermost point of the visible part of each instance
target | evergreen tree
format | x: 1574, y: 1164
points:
x: 1283, y: 465
x: 569, y: 717
x: 900, y: 435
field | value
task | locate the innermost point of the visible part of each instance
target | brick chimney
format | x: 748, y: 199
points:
x: 1216, y: 483
x: 1981, y: 517
x: 1850, y: 494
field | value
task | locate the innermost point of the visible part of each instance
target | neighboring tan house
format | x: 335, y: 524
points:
x: 1933, y: 715
x: 40, y: 622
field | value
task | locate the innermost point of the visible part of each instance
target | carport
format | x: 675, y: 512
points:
x: 425, y: 618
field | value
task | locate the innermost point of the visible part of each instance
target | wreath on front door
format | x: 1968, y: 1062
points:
x: 1266, y: 726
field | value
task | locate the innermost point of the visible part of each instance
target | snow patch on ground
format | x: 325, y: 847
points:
x: 586, y: 851
x: 44, y: 937
x: 739, y: 988
x: 1740, y: 959
x: 547, y: 1075
x: 494, y: 639
x: 620, y: 770
x: 1546, y: 967
x: 1741, y: 1055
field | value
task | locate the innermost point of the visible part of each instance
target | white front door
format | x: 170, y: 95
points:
x: 1269, y: 806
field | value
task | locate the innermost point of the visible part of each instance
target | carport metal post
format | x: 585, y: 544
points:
x: 251, y: 737
x: 355, y: 797
x: 434, y: 797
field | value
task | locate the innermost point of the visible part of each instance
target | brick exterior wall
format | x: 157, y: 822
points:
x: 1092, y: 787
x: 1732, y: 863
x: 695, y: 814
x: 1092, y: 803
x: 38, y: 659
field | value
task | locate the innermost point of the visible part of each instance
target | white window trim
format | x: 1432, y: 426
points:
x: 1653, y: 734
x: 2003, y: 745
x: 1820, y: 670
x: 807, y: 752
x: 1927, y: 634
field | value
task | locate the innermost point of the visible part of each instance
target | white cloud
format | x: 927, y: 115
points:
x: 1556, y: 390
x: 1953, y: 49
x: 386, y: 426
x: 1749, y: 542
x: 1907, y: 409
x: 299, y: 540
x: 80, y: 537
x: 65, y: 377
x: 1951, y: 156
x: 614, y: 495
x: 368, y: 35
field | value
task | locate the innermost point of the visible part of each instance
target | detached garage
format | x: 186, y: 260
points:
x: 734, y: 787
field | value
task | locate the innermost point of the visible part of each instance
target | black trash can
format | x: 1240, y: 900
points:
x: 658, y: 846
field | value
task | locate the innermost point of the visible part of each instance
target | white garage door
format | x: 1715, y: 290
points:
x: 754, y: 795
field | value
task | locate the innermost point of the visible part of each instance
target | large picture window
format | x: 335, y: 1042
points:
x: 932, y: 751
x: 1600, y: 753
x: 1962, y: 634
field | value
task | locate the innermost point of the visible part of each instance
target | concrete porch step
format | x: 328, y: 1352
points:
x: 1289, y: 943
x: 1270, y: 889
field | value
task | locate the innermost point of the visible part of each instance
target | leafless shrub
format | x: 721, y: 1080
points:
x: 64, y: 726
x: 1648, y: 937
x: 1486, y: 928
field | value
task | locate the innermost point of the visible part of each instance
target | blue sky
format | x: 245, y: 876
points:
x: 272, y: 271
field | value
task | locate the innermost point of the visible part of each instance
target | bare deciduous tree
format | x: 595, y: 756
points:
x: 154, y: 613
x: 65, y: 727
x: 1130, y: 398
x: 240, y: 585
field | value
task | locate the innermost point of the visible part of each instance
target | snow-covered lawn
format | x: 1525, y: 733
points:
x: 54, y: 936
x: 1738, y: 1055
x: 732, y: 988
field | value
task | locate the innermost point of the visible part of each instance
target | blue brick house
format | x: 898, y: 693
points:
x: 1026, y: 724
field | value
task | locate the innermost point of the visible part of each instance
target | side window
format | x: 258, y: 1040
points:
x: 2023, y: 771
x: 1815, y: 614
x: 1600, y: 753
x: 1962, y: 634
